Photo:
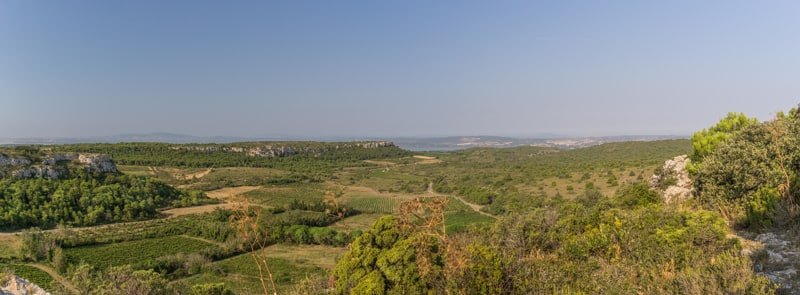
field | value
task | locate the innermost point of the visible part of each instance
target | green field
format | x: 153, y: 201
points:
x: 241, y: 274
x: 105, y: 255
x: 30, y: 273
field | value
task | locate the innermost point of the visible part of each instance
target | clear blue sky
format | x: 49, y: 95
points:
x: 392, y: 68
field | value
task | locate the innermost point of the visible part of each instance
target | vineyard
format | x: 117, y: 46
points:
x: 30, y: 273
x: 132, y: 252
x: 373, y: 204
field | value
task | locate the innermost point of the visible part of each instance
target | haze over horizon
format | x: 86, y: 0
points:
x: 392, y: 69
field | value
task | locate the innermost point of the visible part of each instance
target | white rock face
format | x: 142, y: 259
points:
x: 55, y: 158
x: 22, y: 168
x: 101, y: 163
x: 6, y: 161
x: 20, y: 286
x: 674, y: 168
x: 38, y: 172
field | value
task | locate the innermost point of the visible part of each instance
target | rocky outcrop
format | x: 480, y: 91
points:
x: 673, y: 180
x: 19, y: 286
x: 97, y: 163
x: 775, y: 256
x: 57, y: 158
x: 271, y: 152
x: 9, y: 161
x: 54, y: 166
x: 373, y: 144
x: 39, y: 172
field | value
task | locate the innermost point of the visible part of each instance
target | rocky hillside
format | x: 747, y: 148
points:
x: 673, y: 180
x: 53, y: 166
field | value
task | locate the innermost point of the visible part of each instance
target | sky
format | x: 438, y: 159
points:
x: 392, y: 68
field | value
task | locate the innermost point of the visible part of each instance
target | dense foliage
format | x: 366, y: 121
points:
x: 629, y: 244
x: 86, y: 199
x: 753, y: 176
x: 310, y: 156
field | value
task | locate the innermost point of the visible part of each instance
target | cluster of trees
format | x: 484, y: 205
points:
x: 311, y: 156
x: 126, y: 280
x: 629, y: 244
x: 750, y: 170
x: 86, y: 199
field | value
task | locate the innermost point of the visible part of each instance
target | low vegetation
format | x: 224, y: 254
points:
x: 358, y: 220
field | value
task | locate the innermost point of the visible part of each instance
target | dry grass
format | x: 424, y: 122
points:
x: 307, y: 255
x: 196, y: 209
x: 8, y: 245
x: 427, y: 160
x: 230, y: 192
x: 361, y: 222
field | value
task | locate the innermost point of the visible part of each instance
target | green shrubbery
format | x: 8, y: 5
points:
x: 87, y: 199
x: 751, y: 175
x: 628, y: 244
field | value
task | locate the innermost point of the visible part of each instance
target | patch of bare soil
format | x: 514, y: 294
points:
x: 427, y: 160
x: 197, y: 209
x: 380, y: 163
x: 189, y: 176
x: 230, y: 192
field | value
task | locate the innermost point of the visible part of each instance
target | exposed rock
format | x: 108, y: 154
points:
x: 777, y: 261
x: 271, y: 152
x: 97, y: 163
x: 7, y: 161
x: 39, y: 172
x: 19, y: 286
x: 55, y: 158
x: 673, y: 180
x: 52, y: 167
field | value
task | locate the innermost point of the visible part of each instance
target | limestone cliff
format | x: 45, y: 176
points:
x: 54, y: 166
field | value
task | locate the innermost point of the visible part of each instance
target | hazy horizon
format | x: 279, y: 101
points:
x: 314, y: 69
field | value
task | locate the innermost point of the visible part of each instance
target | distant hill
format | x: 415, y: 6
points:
x: 408, y: 143
x: 464, y: 142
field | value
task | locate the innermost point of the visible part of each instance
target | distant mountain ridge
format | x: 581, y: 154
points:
x: 408, y: 143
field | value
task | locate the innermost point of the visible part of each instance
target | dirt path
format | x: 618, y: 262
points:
x: 475, y: 207
x: 56, y: 277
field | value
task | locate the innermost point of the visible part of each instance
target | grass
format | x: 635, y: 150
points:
x: 289, y: 265
x: 281, y: 197
x: 8, y: 245
x: 361, y: 222
x: 459, y: 221
x: 372, y: 204
x: 30, y: 273
x: 132, y: 252
x: 205, y: 178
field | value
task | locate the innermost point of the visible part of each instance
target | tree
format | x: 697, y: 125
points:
x: 706, y: 141
x: 380, y: 261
